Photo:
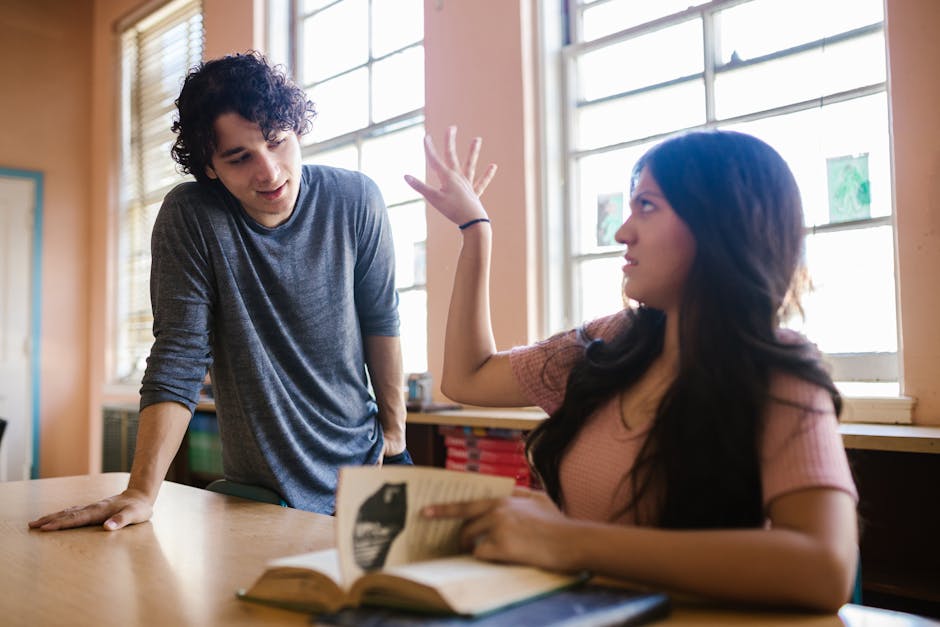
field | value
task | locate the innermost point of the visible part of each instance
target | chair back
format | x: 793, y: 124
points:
x: 245, y: 491
x: 3, y: 427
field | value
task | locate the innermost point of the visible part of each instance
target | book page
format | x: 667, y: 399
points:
x: 472, y: 586
x: 325, y: 562
x: 378, y: 513
x: 306, y: 582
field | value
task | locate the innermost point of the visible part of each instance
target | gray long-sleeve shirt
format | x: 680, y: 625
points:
x: 279, y: 314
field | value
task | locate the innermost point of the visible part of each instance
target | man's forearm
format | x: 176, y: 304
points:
x: 383, y: 358
x: 160, y: 431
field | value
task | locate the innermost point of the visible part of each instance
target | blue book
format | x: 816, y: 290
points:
x: 586, y: 605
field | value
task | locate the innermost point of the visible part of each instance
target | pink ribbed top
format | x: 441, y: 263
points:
x: 798, y: 450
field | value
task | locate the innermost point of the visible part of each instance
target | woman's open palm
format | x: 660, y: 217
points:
x: 458, y: 196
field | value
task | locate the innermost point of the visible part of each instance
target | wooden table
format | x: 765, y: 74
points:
x: 183, y: 567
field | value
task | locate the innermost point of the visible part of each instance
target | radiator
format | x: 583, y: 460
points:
x: 119, y: 434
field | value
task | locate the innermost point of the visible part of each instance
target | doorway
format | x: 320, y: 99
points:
x: 20, y: 289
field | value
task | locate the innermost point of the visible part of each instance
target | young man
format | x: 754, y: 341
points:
x: 279, y: 279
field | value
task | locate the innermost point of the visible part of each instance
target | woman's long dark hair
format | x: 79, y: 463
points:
x: 700, y: 460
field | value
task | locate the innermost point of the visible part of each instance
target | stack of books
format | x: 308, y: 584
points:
x: 487, y: 451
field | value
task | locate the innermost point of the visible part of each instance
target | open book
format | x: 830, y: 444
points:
x: 389, y: 555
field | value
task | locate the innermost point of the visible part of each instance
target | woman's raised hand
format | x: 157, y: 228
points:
x: 458, y: 197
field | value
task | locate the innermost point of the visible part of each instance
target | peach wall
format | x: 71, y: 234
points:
x: 232, y: 26
x: 914, y: 57
x: 44, y: 64
x: 105, y: 166
x: 478, y: 76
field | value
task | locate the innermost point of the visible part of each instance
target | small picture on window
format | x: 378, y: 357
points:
x: 849, y: 188
x: 609, y: 217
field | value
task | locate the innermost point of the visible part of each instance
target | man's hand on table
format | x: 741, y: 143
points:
x: 127, y: 508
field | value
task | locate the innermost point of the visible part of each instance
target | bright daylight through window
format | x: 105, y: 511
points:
x: 808, y: 77
x: 362, y: 64
x: 156, y: 53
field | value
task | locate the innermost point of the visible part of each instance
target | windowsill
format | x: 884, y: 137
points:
x: 871, y: 423
x: 877, y: 409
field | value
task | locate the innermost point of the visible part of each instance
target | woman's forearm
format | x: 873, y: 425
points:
x: 469, y: 341
x: 767, y: 566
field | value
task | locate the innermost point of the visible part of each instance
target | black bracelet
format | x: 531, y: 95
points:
x: 472, y: 222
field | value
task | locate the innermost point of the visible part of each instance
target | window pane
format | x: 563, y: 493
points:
x: 807, y: 139
x: 600, y: 287
x: 334, y: 40
x: 413, y: 311
x: 158, y: 170
x: 155, y: 55
x: 600, y: 177
x: 346, y: 157
x: 342, y: 106
x: 313, y: 5
x: 646, y: 60
x: 409, y: 230
x: 610, y: 17
x: 757, y: 28
x: 388, y: 158
x: 396, y: 24
x: 398, y: 84
x: 852, y: 306
x: 642, y: 115
x: 800, y: 77
x: 278, y: 32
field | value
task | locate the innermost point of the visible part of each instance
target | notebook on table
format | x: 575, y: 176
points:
x: 586, y: 605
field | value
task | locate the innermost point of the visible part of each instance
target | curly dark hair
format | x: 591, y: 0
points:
x: 244, y: 84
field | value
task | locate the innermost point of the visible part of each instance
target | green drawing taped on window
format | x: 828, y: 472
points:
x: 849, y: 188
x: 609, y: 217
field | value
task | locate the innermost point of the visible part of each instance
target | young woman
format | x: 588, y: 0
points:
x: 692, y: 442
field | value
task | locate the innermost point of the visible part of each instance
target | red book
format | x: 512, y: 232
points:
x: 488, y: 444
x: 521, y: 475
x: 481, y: 432
x: 509, y: 458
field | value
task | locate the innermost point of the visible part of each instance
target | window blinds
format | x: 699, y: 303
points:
x: 157, y: 52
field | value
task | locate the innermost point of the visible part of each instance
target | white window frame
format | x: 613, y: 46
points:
x: 293, y: 48
x: 560, y: 261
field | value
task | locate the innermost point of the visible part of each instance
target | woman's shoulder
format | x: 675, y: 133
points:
x: 791, y: 388
x: 607, y: 327
x: 787, y: 388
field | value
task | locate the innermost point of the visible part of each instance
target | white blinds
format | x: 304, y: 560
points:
x: 157, y: 52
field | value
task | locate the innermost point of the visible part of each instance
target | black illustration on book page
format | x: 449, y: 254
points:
x: 380, y: 519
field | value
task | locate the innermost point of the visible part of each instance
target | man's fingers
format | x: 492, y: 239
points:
x: 66, y: 519
x: 113, y: 513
